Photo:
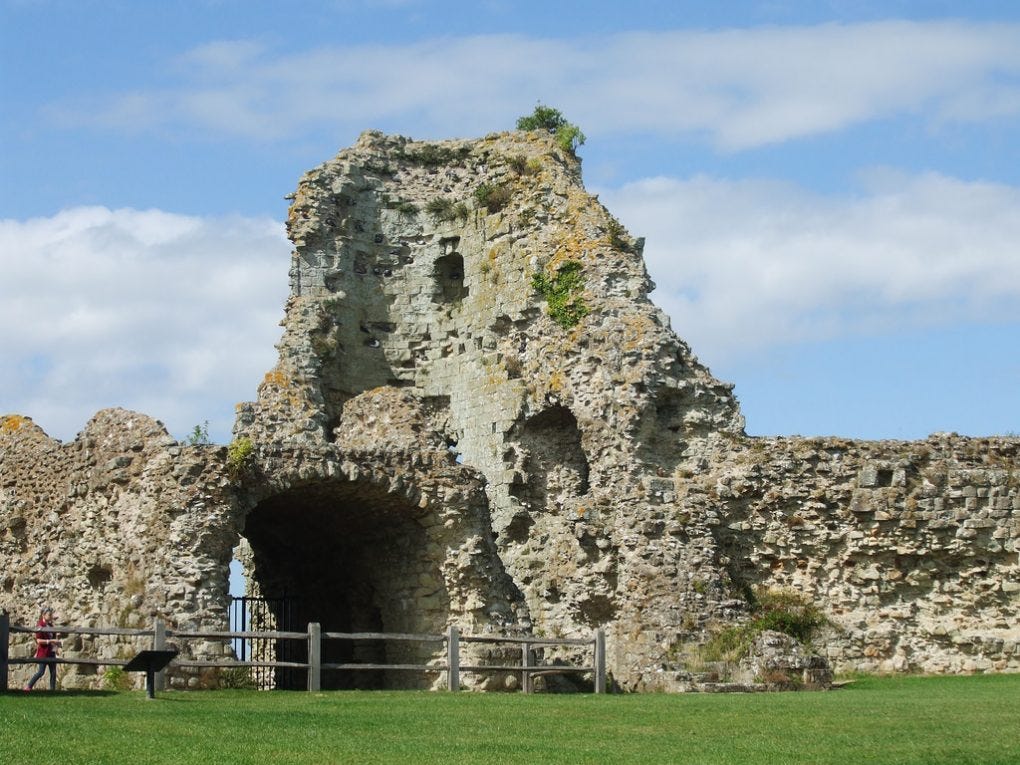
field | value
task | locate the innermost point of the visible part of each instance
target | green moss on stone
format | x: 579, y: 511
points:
x: 564, y: 293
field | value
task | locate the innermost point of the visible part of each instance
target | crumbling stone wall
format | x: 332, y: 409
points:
x: 479, y: 418
x: 407, y: 275
x: 910, y: 548
x: 380, y: 531
x: 118, y: 527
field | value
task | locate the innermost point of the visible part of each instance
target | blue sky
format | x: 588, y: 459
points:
x: 830, y: 191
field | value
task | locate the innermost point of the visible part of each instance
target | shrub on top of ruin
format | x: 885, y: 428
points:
x: 199, y: 435
x: 518, y: 163
x: 568, y: 135
x: 445, y: 210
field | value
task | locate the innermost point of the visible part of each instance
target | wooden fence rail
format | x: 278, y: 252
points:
x: 160, y: 634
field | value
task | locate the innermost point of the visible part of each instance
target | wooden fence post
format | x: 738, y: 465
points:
x: 453, y: 659
x: 159, y: 644
x: 600, y: 660
x: 527, y: 660
x: 314, y: 656
x: 5, y: 637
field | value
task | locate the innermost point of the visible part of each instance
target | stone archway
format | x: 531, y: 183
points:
x: 366, y: 541
x: 355, y: 558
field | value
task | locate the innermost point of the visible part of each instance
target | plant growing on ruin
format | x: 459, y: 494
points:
x: 440, y: 208
x: 404, y: 207
x: 444, y: 210
x: 199, y: 435
x: 524, y: 166
x: 618, y: 236
x: 775, y: 610
x: 433, y: 155
x: 786, y: 612
x: 240, y: 456
x: 492, y: 198
x: 568, y: 135
x: 518, y: 163
x: 564, y: 293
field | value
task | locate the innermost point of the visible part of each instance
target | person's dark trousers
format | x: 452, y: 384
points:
x: 39, y: 673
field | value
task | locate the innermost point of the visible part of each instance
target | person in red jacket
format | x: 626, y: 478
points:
x: 46, y: 648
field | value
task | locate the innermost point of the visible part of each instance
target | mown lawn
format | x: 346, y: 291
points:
x: 954, y: 720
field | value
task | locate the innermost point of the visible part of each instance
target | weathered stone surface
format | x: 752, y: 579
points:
x: 909, y: 547
x: 780, y: 662
x: 115, y: 528
x: 438, y: 445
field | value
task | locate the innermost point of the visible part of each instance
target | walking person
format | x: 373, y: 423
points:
x: 46, y: 648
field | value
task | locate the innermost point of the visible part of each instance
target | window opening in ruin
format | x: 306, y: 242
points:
x: 554, y: 463
x: 449, y: 275
x: 661, y: 432
x: 98, y: 575
x: 354, y: 559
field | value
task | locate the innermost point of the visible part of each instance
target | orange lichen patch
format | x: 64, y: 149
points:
x: 637, y: 328
x: 497, y: 252
x: 289, y: 393
x: 557, y: 381
x: 11, y: 423
x: 276, y: 378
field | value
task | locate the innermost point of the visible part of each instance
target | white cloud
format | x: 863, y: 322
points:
x: 175, y: 316
x: 742, y: 266
x: 742, y: 88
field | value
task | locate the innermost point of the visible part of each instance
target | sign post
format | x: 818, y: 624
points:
x: 150, y: 662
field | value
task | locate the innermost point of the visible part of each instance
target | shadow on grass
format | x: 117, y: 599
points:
x: 54, y: 694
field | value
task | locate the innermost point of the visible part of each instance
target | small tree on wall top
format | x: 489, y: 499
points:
x: 568, y: 135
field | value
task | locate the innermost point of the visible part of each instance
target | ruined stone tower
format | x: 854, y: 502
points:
x: 479, y: 418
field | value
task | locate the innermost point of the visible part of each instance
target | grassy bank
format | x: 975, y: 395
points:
x: 954, y: 720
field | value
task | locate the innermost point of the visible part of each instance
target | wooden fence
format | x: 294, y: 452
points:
x: 314, y: 637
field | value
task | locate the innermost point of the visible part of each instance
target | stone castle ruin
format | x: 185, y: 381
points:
x: 479, y: 418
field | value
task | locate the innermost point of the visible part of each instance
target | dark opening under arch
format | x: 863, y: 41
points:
x: 357, y: 559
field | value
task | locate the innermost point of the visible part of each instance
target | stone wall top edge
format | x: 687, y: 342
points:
x: 379, y: 142
x: 103, y: 421
x: 886, y: 443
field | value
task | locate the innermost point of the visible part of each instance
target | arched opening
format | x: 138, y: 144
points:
x: 662, y: 430
x: 353, y: 558
x: 449, y: 275
x: 555, y: 467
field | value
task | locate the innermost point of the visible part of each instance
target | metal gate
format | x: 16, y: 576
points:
x: 248, y: 614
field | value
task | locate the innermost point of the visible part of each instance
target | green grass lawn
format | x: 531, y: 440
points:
x: 954, y: 720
